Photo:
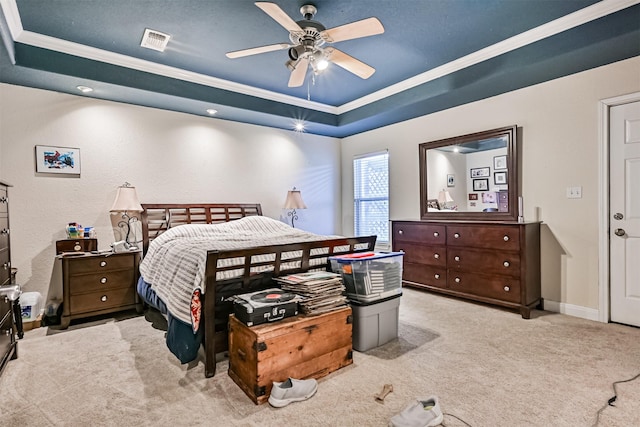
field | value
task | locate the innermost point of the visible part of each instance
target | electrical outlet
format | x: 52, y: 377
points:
x: 574, y: 192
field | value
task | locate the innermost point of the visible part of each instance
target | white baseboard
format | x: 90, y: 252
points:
x: 572, y: 310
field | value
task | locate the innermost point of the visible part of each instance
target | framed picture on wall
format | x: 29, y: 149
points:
x: 480, y: 172
x: 58, y: 160
x: 480, y: 184
x: 500, y: 178
x: 500, y: 162
x: 451, y: 180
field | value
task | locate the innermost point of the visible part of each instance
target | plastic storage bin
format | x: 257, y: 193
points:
x: 375, y: 323
x: 30, y: 305
x: 370, y: 276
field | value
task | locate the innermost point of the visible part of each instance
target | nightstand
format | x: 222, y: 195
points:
x: 96, y: 284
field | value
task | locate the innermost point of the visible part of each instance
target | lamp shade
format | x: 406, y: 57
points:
x: 444, y: 197
x: 126, y: 200
x: 294, y: 200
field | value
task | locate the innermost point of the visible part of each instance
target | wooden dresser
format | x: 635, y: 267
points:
x: 8, y: 344
x: 492, y: 262
x: 96, y: 284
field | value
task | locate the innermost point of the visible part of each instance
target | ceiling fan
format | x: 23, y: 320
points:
x: 308, y: 38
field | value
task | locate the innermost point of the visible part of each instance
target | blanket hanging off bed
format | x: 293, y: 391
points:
x: 175, y: 262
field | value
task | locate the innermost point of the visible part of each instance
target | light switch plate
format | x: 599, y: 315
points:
x: 574, y: 192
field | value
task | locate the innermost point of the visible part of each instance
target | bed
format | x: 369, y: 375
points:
x: 226, y: 260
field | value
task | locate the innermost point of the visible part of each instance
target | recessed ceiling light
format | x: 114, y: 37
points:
x: 84, y: 89
x: 299, y: 127
x: 211, y: 111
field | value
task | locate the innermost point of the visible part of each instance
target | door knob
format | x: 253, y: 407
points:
x: 618, y: 216
x: 619, y: 232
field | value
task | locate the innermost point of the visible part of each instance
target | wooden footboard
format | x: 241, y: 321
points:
x: 253, y: 269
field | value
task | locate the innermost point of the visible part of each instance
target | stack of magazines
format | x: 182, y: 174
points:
x: 322, y: 291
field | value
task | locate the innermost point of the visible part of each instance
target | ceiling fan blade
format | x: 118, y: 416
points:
x: 274, y: 11
x: 364, y: 28
x: 256, y: 50
x: 349, y: 63
x: 299, y: 73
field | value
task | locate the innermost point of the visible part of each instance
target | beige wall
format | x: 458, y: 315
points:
x: 167, y: 156
x: 177, y: 157
x: 560, y: 126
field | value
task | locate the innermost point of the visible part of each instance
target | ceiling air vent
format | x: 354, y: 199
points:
x: 155, y: 40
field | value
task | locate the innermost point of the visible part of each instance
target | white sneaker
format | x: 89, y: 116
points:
x: 422, y: 413
x: 292, y: 390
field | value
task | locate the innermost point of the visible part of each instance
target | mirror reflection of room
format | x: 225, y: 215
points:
x: 468, y: 177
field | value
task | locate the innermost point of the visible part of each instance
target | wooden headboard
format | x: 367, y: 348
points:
x: 159, y: 217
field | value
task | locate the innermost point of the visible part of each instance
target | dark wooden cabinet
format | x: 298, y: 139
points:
x: 8, y: 344
x: 5, y: 246
x: 496, y: 263
x: 96, y: 284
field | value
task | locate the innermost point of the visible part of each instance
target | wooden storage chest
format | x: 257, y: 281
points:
x: 299, y: 347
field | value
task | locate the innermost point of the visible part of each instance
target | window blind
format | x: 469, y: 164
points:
x: 371, y: 195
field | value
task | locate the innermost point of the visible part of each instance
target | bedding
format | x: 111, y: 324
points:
x: 174, y: 265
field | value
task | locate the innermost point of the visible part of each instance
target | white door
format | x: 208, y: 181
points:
x: 624, y: 213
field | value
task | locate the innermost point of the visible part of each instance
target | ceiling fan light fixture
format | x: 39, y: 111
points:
x: 291, y: 64
x: 295, y: 52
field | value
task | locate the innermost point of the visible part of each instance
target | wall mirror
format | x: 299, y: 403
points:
x: 470, y: 177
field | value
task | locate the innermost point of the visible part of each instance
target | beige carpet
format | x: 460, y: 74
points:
x: 488, y: 366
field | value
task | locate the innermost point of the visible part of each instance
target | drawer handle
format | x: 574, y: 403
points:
x: 4, y: 231
x: 103, y: 263
x: 458, y: 280
x: 400, y: 232
x: 507, y: 289
x: 6, y: 265
x: 436, y: 234
x: 456, y: 258
x: 456, y: 235
x: 506, y: 264
x: 437, y: 276
x: 77, y: 247
x: 4, y: 200
x: 103, y: 280
x: 436, y: 256
x: 103, y: 298
x: 505, y: 238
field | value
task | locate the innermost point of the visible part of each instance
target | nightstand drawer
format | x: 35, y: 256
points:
x: 81, y: 284
x: 100, y: 263
x: 97, y: 301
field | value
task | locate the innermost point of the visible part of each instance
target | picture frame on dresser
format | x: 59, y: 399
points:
x: 57, y: 160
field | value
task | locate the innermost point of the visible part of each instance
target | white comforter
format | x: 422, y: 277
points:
x: 175, y: 262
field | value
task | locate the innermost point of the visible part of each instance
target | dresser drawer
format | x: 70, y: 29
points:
x: 424, y: 274
x: 4, y: 202
x: 4, y: 232
x: 104, y: 281
x: 102, y: 300
x: 5, y: 266
x: 418, y: 232
x: 499, y: 237
x: 488, y: 262
x: 420, y: 254
x: 504, y: 288
x: 101, y: 263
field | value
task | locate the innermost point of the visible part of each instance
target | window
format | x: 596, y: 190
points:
x: 371, y: 195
